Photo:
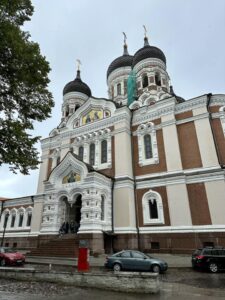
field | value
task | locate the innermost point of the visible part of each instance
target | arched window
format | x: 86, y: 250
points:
x: 67, y: 111
x: 81, y: 152
x: 125, y: 86
x: 21, y: 215
x: 157, y: 79
x: 58, y: 160
x: 148, y: 146
x: 152, y: 208
x: 13, y: 219
x: 145, y: 81
x: 6, y: 220
x: 92, y: 154
x: 102, y: 208
x: 29, y: 217
x: 112, y: 91
x: 103, y: 151
x: 118, y: 89
x: 76, y: 107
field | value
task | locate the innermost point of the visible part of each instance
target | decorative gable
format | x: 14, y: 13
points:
x: 93, y: 110
x: 70, y: 170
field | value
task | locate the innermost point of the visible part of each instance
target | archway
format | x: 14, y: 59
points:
x: 71, y: 213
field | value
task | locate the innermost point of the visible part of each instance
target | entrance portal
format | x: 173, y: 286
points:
x: 72, y: 214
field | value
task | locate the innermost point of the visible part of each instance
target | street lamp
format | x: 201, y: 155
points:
x: 4, y: 227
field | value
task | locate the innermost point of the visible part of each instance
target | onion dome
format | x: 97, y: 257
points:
x: 77, y: 85
x: 122, y: 61
x: 148, y: 52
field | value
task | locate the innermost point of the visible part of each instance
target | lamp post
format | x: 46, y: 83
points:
x: 4, y: 227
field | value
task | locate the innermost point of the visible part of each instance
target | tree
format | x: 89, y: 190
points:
x: 24, y: 95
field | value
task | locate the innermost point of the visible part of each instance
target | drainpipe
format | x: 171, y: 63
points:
x: 135, y: 184
x: 209, y: 97
x: 112, y: 208
x: 112, y: 205
x: 1, y: 209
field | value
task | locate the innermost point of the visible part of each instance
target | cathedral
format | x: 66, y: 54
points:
x: 143, y: 169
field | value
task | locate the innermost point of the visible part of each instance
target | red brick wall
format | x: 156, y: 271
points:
x: 198, y: 202
x: 189, y: 149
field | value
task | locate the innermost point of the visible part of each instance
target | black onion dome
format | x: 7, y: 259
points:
x: 77, y: 85
x: 148, y: 52
x: 122, y: 61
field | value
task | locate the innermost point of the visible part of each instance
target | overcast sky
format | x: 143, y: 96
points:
x: 190, y: 33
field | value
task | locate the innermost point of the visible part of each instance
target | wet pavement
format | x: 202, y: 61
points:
x: 177, y: 283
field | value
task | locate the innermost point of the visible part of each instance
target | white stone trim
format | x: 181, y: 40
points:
x: 182, y: 229
x: 181, y: 178
x: 131, y: 230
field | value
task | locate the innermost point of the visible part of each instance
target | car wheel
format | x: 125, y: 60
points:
x: 117, y: 267
x: 2, y: 263
x: 156, y: 269
x: 213, y: 267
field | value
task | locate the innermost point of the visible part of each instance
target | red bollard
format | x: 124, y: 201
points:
x: 83, y: 259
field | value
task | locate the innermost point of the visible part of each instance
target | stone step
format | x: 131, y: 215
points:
x: 64, y: 246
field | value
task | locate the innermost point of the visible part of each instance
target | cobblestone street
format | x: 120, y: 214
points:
x: 175, y: 284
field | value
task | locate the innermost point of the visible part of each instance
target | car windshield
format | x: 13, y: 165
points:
x: 197, y: 252
x: 7, y: 250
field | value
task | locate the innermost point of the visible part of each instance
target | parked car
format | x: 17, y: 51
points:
x: 9, y: 256
x: 209, y: 258
x: 135, y: 261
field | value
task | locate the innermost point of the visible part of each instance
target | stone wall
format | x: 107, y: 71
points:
x: 121, y: 282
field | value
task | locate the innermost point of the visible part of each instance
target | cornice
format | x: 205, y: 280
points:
x: 180, y: 177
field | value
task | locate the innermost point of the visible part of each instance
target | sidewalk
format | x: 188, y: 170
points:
x: 173, y: 260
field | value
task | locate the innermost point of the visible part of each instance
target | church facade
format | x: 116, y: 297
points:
x: 143, y: 169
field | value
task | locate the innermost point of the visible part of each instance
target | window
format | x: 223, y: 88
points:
x: 77, y: 106
x: 81, y: 153
x: 125, y: 87
x: 103, y: 151
x: 13, y: 219
x: 67, y: 111
x: 14, y: 245
x: 145, y: 81
x: 152, y: 208
x: 92, y: 154
x: 20, y: 220
x: 137, y: 255
x: 208, y: 244
x: 6, y: 220
x: 155, y: 245
x: 157, y: 79
x: 112, y: 91
x: 125, y: 254
x: 58, y: 160
x: 29, y: 217
x: 102, y: 208
x: 148, y: 146
x: 118, y: 89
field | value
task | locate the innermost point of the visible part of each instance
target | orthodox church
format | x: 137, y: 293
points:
x: 143, y: 169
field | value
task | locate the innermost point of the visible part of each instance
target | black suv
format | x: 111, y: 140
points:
x: 209, y: 258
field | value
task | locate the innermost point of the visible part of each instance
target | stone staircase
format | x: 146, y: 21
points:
x: 64, y: 246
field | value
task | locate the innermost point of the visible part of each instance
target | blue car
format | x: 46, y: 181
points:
x: 135, y: 261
